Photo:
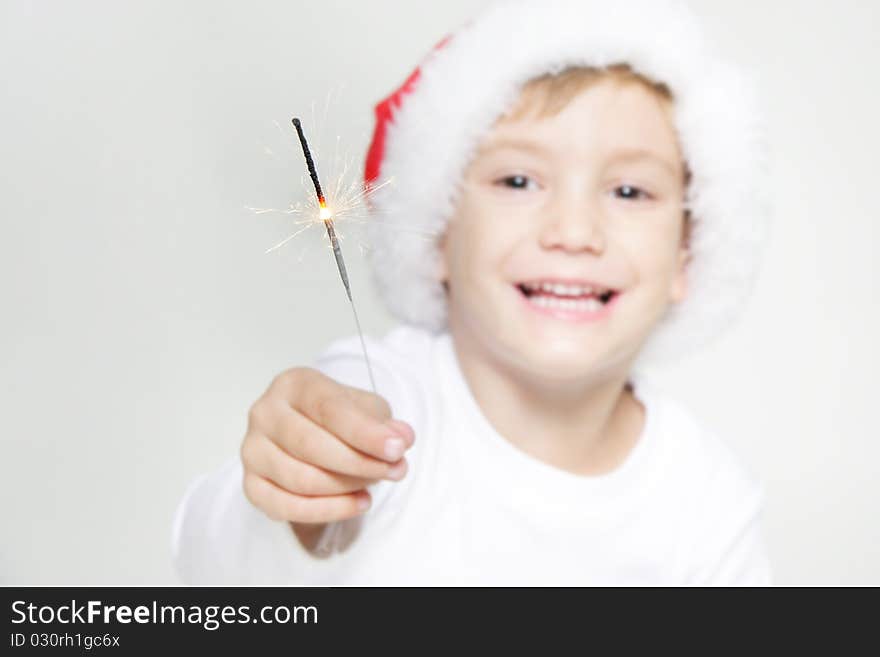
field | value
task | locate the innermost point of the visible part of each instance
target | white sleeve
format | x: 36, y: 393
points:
x: 731, y: 548
x: 742, y: 554
x: 219, y: 537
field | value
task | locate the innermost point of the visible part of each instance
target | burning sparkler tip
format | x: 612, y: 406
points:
x: 310, y: 163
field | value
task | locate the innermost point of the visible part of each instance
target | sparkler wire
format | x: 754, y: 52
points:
x: 334, y: 242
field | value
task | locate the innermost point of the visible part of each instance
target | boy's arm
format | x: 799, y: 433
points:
x: 220, y: 537
x: 309, y: 534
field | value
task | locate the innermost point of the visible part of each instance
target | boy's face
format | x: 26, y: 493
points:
x: 553, y: 208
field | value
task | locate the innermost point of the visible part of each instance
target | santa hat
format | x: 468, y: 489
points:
x: 428, y: 129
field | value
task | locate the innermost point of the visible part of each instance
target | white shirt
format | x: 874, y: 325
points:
x: 473, y: 509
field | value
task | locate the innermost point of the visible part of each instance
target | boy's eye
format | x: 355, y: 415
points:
x: 631, y: 193
x: 515, y: 182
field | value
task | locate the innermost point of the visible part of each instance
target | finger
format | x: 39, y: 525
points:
x: 333, y: 408
x: 302, y: 439
x: 378, y: 407
x: 404, y: 430
x: 273, y: 463
x: 370, y: 403
x: 300, y: 382
x: 279, y: 504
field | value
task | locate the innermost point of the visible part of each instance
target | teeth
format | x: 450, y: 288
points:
x: 561, y: 289
x: 575, y: 305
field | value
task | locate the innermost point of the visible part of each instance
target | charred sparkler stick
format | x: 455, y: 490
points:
x: 326, y: 215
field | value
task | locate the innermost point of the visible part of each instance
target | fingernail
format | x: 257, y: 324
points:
x: 396, y: 471
x: 402, y: 429
x: 363, y: 503
x: 394, y: 448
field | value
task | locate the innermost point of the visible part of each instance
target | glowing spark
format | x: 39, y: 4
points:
x: 286, y: 240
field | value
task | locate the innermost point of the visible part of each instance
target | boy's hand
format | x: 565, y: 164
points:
x: 313, y: 445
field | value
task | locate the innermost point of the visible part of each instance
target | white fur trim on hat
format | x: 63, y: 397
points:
x: 466, y: 85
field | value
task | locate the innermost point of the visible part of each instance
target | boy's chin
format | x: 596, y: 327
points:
x: 564, y: 366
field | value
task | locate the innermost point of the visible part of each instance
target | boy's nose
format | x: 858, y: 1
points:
x: 573, y: 224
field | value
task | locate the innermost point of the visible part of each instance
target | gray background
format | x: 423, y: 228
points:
x: 141, y: 317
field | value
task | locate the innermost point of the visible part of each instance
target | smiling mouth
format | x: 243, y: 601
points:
x: 569, y: 297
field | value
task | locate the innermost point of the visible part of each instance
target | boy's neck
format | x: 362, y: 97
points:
x: 588, y: 428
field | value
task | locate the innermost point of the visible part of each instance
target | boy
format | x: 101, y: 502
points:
x: 593, y: 177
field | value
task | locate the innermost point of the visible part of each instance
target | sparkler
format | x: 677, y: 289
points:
x: 326, y: 215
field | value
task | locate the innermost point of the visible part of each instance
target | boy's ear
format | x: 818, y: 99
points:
x: 679, y: 287
x: 441, y: 270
